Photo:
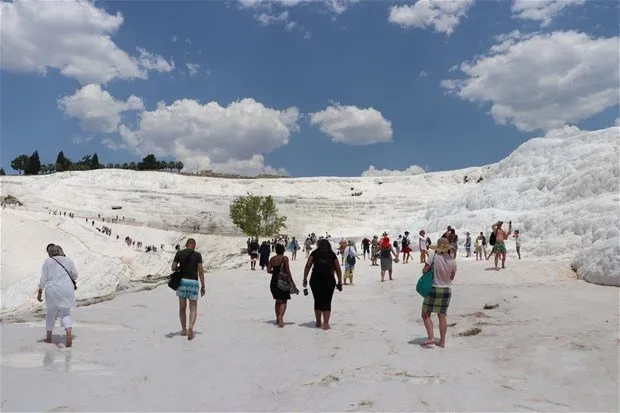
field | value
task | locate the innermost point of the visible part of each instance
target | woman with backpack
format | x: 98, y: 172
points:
x: 58, y: 277
x: 350, y: 254
x: 386, y: 250
x: 324, y: 263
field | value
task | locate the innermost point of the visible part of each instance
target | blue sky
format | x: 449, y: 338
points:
x: 307, y: 88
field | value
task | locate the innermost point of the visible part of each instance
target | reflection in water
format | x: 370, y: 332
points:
x: 50, y: 359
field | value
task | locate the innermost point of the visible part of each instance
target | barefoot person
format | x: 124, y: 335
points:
x: 438, y: 301
x: 274, y: 267
x: 58, y: 277
x: 423, y: 246
x: 350, y: 254
x: 324, y: 263
x: 406, y: 244
x: 499, y: 249
x: 386, y: 252
x: 189, y: 263
x: 517, y: 237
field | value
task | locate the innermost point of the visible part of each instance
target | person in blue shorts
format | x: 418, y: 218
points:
x: 189, y: 263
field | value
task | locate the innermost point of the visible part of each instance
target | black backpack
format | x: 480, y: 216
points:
x: 351, y: 259
x: 405, y: 242
x: 395, y: 244
x: 492, y: 238
x: 428, y: 242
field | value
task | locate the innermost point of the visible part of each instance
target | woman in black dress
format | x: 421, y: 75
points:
x: 324, y: 264
x: 281, y: 296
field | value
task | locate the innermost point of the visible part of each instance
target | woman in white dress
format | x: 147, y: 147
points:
x: 58, y: 280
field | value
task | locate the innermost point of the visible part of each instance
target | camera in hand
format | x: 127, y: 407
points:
x: 305, y: 291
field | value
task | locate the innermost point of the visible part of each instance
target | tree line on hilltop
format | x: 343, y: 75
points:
x: 31, y: 165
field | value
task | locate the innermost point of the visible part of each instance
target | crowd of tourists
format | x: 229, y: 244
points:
x: 322, y: 273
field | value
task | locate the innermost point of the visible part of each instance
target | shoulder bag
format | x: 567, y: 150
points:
x: 425, y: 283
x: 285, y: 282
x: 63, y: 267
x: 174, y: 280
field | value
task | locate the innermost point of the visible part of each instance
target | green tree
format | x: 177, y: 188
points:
x: 33, y: 167
x: 256, y: 216
x: 20, y: 163
x: 50, y: 168
x: 133, y: 166
x: 62, y: 163
x: 94, y: 162
x: 179, y: 165
x: 2, y: 173
x: 149, y: 163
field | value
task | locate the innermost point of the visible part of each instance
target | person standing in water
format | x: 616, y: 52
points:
x: 189, y: 263
x: 58, y: 277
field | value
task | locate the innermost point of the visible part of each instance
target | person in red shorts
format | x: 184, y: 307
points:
x: 406, y: 245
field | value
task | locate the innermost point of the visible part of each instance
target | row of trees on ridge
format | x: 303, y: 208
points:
x: 31, y: 165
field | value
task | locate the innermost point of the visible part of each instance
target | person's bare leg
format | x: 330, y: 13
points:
x: 69, y: 338
x: 317, y: 315
x: 382, y: 275
x: 277, y: 308
x: 326, y: 315
x: 281, y: 314
x: 183, y: 315
x: 503, y: 260
x: 428, y: 324
x: 443, y: 329
x: 193, y: 313
x: 519, y: 252
x: 390, y: 275
x: 48, y: 336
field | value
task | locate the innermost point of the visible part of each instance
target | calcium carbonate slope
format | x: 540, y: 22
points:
x: 562, y: 193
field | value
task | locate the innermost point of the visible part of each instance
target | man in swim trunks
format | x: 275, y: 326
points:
x: 500, y: 247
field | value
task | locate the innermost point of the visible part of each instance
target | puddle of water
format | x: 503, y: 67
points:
x: 77, y: 325
x: 54, y: 359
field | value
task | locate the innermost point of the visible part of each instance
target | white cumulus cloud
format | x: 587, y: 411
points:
x: 442, y: 15
x: 543, y: 81
x: 543, y: 11
x: 412, y: 170
x: 150, y: 61
x: 73, y: 37
x: 209, y: 136
x: 352, y: 125
x: 96, y: 109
